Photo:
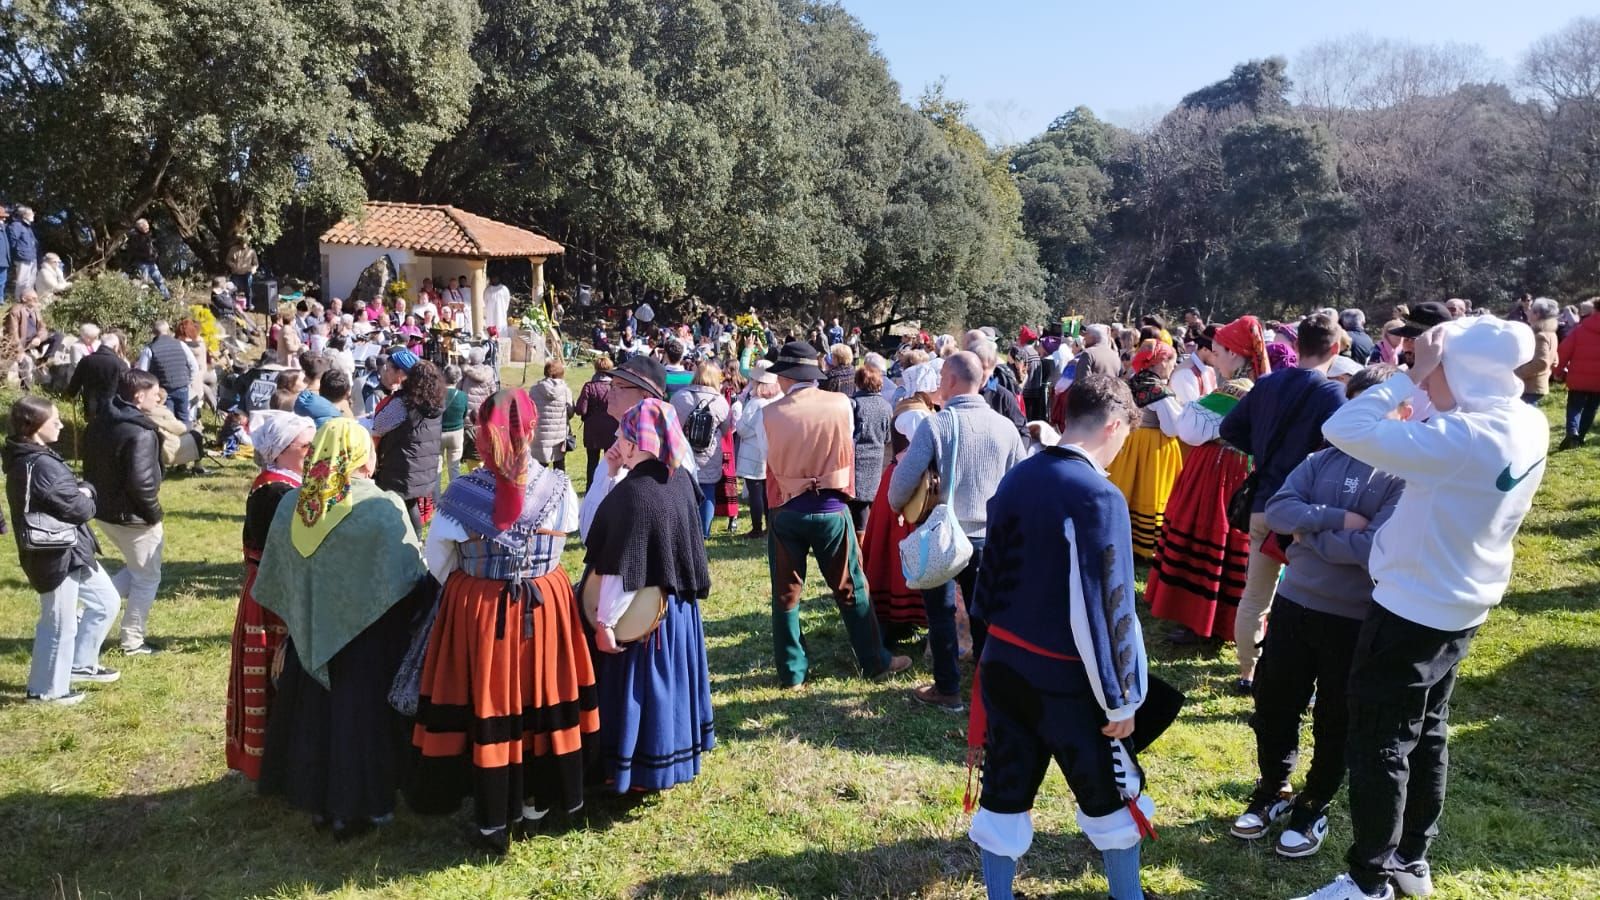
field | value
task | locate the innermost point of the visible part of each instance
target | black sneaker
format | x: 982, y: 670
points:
x: 145, y: 648
x: 1260, y: 815
x: 96, y: 674
x: 1570, y: 442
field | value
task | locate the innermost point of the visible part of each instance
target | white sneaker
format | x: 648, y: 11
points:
x: 1300, y: 841
x: 1412, y: 879
x: 1259, y: 816
x: 1345, y: 888
x: 70, y: 698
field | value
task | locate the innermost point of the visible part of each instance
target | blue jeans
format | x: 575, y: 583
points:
x: 152, y: 272
x: 708, y: 506
x: 60, y: 627
x: 5, y: 282
x: 178, y: 402
x: 1581, y: 407
x: 940, y: 603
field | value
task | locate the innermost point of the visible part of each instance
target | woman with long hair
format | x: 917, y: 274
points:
x: 508, y: 688
x: 409, y: 428
x: 655, y: 693
x: 1198, y: 573
x: 44, y: 495
x: 333, y: 744
x: 281, y: 441
x: 1151, y: 459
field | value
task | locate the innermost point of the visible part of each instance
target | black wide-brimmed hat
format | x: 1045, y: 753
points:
x: 1422, y: 317
x: 645, y: 373
x: 797, y: 361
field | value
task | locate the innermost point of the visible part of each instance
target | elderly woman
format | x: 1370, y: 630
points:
x: 507, y: 690
x: 841, y: 372
x: 1150, y: 461
x: 333, y: 744
x: 1198, y: 573
x: 655, y: 693
x: 899, y: 609
x: 281, y: 441
x: 553, y: 398
x: 52, y: 279
x: 44, y: 495
x: 1543, y: 317
x: 873, y: 416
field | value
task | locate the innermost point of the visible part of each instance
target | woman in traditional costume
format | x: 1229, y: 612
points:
x: 281, y: 441
x: 1150, y: 461
x: 655, y: 693
x: 900, y: 609
x: 508, y: 689
x: 343, y: 569
x: 1199, y: 569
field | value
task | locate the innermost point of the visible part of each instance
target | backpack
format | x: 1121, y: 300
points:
x: 1035, y: 391
x: 700, y: 426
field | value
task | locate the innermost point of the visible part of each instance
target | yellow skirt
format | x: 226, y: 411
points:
x: 1145, y: 472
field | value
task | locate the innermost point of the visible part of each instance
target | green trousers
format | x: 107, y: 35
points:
x: 831, y: 537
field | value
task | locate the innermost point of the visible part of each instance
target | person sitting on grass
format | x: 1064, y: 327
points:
x: 1332, y: 504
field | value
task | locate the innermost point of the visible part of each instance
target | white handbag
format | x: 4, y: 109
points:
x: 938, y: 549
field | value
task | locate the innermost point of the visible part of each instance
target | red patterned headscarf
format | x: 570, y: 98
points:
x: 653, y: 425
x: 505, y: 433
x: 1150, y: 353
x: 1244, y: 337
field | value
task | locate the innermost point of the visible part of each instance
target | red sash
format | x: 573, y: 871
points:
x: 977, y: 718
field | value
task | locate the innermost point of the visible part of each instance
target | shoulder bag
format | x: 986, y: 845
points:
x: 937, y: 550
x: 42, y: 531
x: 1244, y: 496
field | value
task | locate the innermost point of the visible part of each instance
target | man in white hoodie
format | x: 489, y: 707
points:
x: 1440, y: 563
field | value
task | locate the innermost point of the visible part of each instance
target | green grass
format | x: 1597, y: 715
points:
x: 844, y: 789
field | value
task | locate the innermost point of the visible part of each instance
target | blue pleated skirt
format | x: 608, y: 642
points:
x: 655, y: 705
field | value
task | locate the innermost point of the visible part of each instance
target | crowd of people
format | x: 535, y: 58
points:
x: 1339, y: 506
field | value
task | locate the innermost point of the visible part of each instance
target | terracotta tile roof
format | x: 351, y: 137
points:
x: 437, y: 230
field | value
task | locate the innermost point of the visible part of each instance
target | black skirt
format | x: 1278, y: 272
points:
x: 337, y: 753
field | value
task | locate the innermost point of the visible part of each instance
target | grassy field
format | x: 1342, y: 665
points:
x: 846, y: 788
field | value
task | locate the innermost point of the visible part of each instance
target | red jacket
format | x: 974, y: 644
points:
x: 1578, y: 359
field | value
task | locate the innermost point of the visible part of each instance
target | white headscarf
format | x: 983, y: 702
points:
x: 921, y: 377
x: 272, y: 431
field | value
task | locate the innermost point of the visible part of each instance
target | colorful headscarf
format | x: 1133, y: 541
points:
x: 505, y: 432
x: 1244, y: 337
x: 1150, y: 353
x: 1282, y: 356
x: 341, y: 447
x: 272, y: 431
x: 653, y: 425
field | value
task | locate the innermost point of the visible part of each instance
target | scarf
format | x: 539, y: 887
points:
x: 272, y: 431
x: 1148, y: 387
x: 471, y: 500
x: 653, y: 425
x: 340, y: 448
x: 647, y: 532
x: 1244, y: 337
x: 1282, y: 356
x: 505, y: 427
x: 1150, y: 353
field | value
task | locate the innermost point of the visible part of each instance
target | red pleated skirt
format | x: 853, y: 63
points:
x: 1198, y: 573
x: 894, y: 603
x: 257, y: 634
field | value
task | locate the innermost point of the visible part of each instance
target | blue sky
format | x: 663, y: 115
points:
x: 1020, y: 64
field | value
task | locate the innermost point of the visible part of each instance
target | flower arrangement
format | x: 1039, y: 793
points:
x: 398, y: 288
x: 749, y: 325
x: 209, y: 332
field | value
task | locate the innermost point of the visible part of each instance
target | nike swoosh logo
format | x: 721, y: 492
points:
x: 1506, y: 483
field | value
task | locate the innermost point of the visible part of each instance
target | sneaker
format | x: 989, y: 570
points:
x: 70, y: 698
x: 1570, y: 442
x: 1260, y: 816
x: 1411, y: 879
x: 1345, y: 888
x: 96, y: 674
x: 1244, y: 687
x: 144, y: 649
x: 950, y: 703
x: 1304, y: 834
x: 897, y: 664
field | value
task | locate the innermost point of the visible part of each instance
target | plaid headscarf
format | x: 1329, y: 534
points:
x: 653, y: 425
x: 341, y: 447
x: 505, y: 430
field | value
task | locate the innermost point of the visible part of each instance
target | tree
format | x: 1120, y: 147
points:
x: 1260, y: 86
x: 1564, y: 71
x: 1066, y: 197
x: 220, y: 113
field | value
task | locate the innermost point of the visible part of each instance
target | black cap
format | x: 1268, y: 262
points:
x: 645, y: 373
x: 1422, y: 317
x: 797, y: 361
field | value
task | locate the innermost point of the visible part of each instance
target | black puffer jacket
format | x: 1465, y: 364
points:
x: 55, y: 491
x: 124, y: 465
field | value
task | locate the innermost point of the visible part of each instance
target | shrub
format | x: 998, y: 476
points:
x: 114, y: 302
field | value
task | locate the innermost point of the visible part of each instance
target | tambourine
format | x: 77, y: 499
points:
x: 640, y: 620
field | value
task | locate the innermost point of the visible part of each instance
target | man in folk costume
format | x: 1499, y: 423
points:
x: 810, y: 476
x: 1064, y: 669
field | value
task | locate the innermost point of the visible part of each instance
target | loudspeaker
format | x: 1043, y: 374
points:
x: 264, y: 296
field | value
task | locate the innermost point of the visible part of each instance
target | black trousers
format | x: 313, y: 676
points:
x: 594, y: 454
x: 757, y: 488
x: 1306, y: 652
x: 1400, y: 685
